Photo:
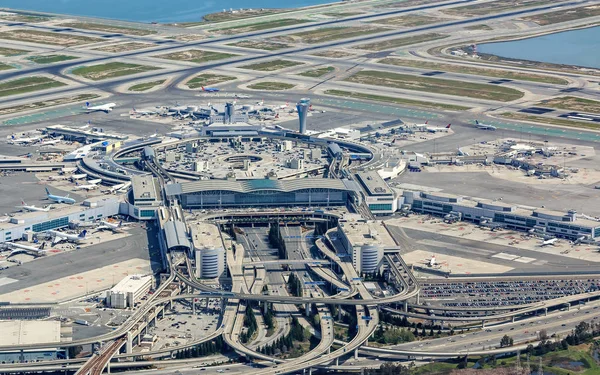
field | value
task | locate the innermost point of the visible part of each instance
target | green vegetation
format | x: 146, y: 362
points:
x: 315, y: 73
x: 271, y: 65
x: 260, y: 44
x: 291, y: 345
x: 271, y: 86
x: 328, y: 34
x: 342, y: 14
x: 479, y: 27
x: 436, y: 85
x: 47, y: 103
x: 272, y: 24
x: 250, y: 324
x: 111, y: 70
x: 497, y: 6
x: 207, y: 79
x: 396, y: 100
x: 401, y: 42
x: 230, y: 16
x: 196, y: 56
x: 564, y: 16
x: 6, y: 66
x: 123, y: 47
x: 5, y: 51
x: 146, y: 85
x: 551, y: 121
x: 27, y: 84
x: 332, y: 54
x: 572, y: 103
x: 294, y: 285
x: 269, y: 320
x: 45, y: 37
x: 204, y: 349
x: 18, y: 17
x: 49, y: 59
x: 108, y: 28
x: 412, y: 20
x: 474, y: 70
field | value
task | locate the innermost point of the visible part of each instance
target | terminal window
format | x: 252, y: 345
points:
x: 52, y: 224
x: 147, y: 213
x: 380, y: 207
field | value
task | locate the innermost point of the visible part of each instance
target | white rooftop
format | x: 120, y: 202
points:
x: 23, y: 332
x: 131, y: 284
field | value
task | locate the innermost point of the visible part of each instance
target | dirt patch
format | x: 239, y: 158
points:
x: 43, y: 37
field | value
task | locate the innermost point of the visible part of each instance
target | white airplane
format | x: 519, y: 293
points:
x: 59, y: 237
x: 68, y: 169
x: 84, y: 126
x: 261, y: 102
x: 49, y: 142
x: 95, y: 182
x: 57, y: 177
x: 32, y: 208
x: 484, y: 126
x: 19, y: 248
x: 433, y: 129
x: 23, y: 141
x: 116, y: 228
x: 59, y: 199
x: 142, y: 112
x: 551, y: 241
x: 283, y: 106
x: 242, y: 96
x: 104, y: 107
x: 86, y: 187
x: 78, y: 176
x: 118, y: 188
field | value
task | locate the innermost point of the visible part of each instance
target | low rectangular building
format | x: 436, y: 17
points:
x: 378, y: 195
x: 24, y: 332
x: 365, y: 241
x: 128, y: 291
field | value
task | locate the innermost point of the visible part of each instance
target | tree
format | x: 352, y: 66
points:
x: 506, y: 341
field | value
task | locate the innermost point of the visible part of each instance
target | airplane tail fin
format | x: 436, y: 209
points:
x: 23, y: 202
x: 82, y: 234
x: 87, y: 104
x: 426, y: 122
x: 42, y: 246
x: 47, y: 191
x: 476, y: 122
x: 203, y: 89
x: 120, y: 223
x: 448, y: 126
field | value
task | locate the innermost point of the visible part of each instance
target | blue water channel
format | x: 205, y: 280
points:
x: 576, y: 47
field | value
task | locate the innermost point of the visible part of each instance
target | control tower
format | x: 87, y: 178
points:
x: 302, y: 107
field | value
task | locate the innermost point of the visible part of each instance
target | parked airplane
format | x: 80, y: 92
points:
x: 49, y: 142
x: 116, y: 228
x: 551, y: 241
x: 104, y: 107
x: 484, y: 126
x: 67, y: 170
x: 242, y: 96
x: 60, y: 236
x: 437, y: 129
x: 19, y: 248
x: 87, y: 125
x: 95, y: 182
x: 142, y: 112
x: 78, y: 176
x: 210, y: 89
x: 24, y: 140
x: 57, y: 177
x: 118, y: 188
x: 87, y: 187
x: 32, y: 208
x: 59, y: 199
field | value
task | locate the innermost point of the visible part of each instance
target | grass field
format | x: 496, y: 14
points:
x: 412, y: 20
x: 551, y: 120
x: 401, y: 42
x: 271, y: 65
x: 5, y: 51
x: 196, y: 56
x: 492, y: 7
x: 108, y: 28
x: 45, y: 37
x: 271, y: 86
x: 478, y: 27
x: 564, y: 16
x: 208, y: 79
x: 123, y: 47
x: 259, y: 26
x: 16, y: 17
x: 328, y: 34
x: 572, y: 103
x: 435, y: 85
x: 315, y: 73
x: 475, y: 71
x: 146, y: 85
x: 5, y: 66
x: 342, y: 14
x: 111, y: 70
x: 333, y: 54
x: 47, y: 103
x: 28, y: 84
x: 49, y: 59
x: 260, y: 44
x: 395, y: 100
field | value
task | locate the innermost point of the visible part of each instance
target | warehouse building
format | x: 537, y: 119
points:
x: 128, y: 291
x: 555, y: 223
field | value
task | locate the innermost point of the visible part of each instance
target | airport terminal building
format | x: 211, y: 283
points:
x: 263, y: 192
x: 555, y: 223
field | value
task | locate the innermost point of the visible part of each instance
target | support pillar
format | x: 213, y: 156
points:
x: 207, y: 303
x: 265, y: 307
x: 513, y: 318
x: 356, y: 353
x: 310, y: 371
x: 568, y: 306
x: 483, y: 324
x: 405, y: 306
x: 339, y: 309
x: 193, y: 306
x: 441, y: 324
x: 418, y: 298
x: 545, y: 311
x: 337, y: 361
x: 307, y: 309
x: 108, y: 367
x: 129, y: 343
